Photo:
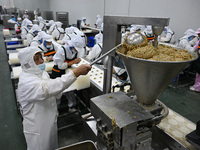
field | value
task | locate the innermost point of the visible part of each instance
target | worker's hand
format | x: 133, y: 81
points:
x: 49, y: 58
x: 77, y: 60
x: 82, y: 70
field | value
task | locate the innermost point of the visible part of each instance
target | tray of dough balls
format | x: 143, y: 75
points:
x: 96, y: 76
x: 177, y: 127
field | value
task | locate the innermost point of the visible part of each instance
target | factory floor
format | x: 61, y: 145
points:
x: 181, y: 100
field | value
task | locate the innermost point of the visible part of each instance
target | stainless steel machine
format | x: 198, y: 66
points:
x: 124, y: 120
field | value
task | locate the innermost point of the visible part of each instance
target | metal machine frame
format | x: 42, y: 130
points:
x: 112, y: 37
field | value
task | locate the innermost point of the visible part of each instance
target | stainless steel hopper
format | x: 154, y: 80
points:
x: 150, y: 78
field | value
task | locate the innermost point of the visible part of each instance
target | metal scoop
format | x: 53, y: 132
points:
x: 132, y: 39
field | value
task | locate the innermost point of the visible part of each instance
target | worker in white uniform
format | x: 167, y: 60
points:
x: 37, y: 95
x: 18, y: 25
x: 84, y: 23
x: 148, y: 33
x: 38, y: 39
x: 48, y: 47
x: 64, y: 58
x: 83, y: 50
x: 42, y: 24
x: 59, y: 32
x: 25, y: 29
x: 96, y: 51
x: 52, y: 27
x: 169, y: 36
x: 68, y: 33
x: 32, y: 33
x: 188, y: 41
x: 98, y: 22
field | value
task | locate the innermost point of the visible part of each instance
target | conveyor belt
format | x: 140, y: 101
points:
x: 178, y: 127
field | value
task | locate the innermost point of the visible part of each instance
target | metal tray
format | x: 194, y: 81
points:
x: 85, y: 145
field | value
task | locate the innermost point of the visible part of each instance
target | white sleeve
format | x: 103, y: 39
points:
x: 34, y: 88
x: 94, y: 52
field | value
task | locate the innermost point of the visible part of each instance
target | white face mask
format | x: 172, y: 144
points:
x: 42, y: 66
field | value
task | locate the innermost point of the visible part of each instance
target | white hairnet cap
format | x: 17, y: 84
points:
x: 99, y: 38
x: 35, y: 27
x: 51, y: 22
x: 59, y: 24
x: 98, y: 16
x: 19, y: 18
x: 47, y: 37
x: 28, y: 22
x: 83, y: 18
x: 189, y: 31
x: 74, y: 29
x: 41, y: 34
x: 149, y: 28
x: 26, y: 58
x: 76, y: 41
x: 68, y: 30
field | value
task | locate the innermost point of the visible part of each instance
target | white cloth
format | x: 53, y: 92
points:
x: 58, y: 33
x: 95, y: 52
x: 37, y: 95
x: 99, y: 22
x: 59, y: 57
x: 184, y: 44
x: 169, y: 37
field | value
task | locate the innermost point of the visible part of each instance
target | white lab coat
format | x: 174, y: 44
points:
x: 37, y: 95
x: 184, y: 44
x: 95, y: 52
x: 58, y: 33
x: 59, y: 57
x: 99, y: 22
